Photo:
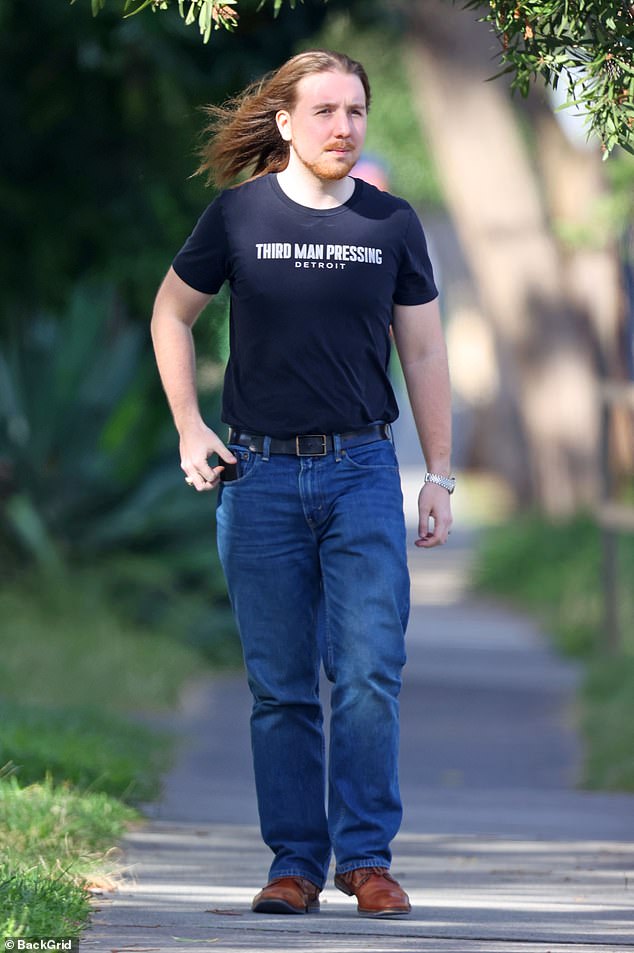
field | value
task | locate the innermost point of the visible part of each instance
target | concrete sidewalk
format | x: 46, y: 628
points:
x: 498, y: 850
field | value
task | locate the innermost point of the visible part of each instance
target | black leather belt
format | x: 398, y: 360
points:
x: 310, y: 444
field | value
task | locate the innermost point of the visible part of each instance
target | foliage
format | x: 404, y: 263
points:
x: 84, y: 441
x: 209, y: 14
x: 96, y: 154
x: 89, y: 477
x: 564, y: 590
x: 33, y: 903
x: 554, y: 570
x: 33, y: 814
x: 588, y: 45
x: 608, y: 724
x: 53, y: 845
x: 99, y: 125
x: 88, y: 747
x: 73, y: 640
x: 610, y: 218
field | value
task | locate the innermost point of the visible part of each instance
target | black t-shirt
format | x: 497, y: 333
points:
x: 312, y: 292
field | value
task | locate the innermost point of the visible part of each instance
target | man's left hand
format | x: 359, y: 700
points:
x: 433, y: 501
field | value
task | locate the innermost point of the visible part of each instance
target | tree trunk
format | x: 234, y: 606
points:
x: 544, y: 427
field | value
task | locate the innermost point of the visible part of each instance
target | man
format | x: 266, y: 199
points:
x: 309, y: 515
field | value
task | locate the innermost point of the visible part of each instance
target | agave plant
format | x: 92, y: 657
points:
x: 88, y: 456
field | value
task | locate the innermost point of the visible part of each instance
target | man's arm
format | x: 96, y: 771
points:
x: 176, y: 310
x: 421, y: 347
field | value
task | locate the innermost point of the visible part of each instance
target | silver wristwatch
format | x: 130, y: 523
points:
x: 448, y: 483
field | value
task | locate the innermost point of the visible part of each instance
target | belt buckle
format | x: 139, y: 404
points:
x: 310, y: 453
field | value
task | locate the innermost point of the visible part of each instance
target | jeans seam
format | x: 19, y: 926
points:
x: 371, y: 466
x: 330, y: 655
x: 360, y: 864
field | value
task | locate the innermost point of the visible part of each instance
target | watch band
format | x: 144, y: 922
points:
x: 448, y: 483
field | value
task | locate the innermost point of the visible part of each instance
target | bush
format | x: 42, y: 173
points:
x: 86, y: 747
x: 554, y: 571
x: 89, y: 471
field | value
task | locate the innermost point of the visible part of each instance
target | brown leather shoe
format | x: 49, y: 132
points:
x: 378, y: 894
x: 287, y: 895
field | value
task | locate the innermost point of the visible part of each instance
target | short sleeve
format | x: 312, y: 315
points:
x: 415, y: 280
x: 202, y: 261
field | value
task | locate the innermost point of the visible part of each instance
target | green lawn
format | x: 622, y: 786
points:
x: 75, y: 675
x: 67, y: 643
x: 87, y: 747
x: 554, y: 571
x: 54, y: 845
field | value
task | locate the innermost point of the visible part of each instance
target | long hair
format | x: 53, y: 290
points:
x: 243, y: 135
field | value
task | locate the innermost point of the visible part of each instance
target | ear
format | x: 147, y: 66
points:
x: 283, y: 122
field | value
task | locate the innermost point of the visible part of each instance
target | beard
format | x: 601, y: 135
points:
x: 329, y: 166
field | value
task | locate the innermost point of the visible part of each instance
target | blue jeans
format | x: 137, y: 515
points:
x: 303, y: 539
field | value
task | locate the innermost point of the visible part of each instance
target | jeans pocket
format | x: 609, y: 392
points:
x: 247, y: 464
x: 379, y: 454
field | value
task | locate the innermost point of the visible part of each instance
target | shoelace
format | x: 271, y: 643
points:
x: 378, y: 871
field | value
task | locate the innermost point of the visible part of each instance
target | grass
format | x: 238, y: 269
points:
x: 554, y: 571
x: 87, y: 747
x: 66, y: 643
x: 41, y: 906
x: 608, y: 724
x: 76, y: 669
x: 54, y: 844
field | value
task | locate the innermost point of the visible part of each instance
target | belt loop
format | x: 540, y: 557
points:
x: 388, y: 433
x: 266, y: 448
x: 336, y: 445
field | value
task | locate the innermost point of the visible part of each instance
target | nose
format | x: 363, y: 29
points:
x: 342, y: 124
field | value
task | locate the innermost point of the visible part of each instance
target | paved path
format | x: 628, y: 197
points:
x: 498, y: 850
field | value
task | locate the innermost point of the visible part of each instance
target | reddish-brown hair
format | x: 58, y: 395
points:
x: 243, y: 135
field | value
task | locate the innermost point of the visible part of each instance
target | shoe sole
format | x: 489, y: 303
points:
x: 281, y: 906
x: 376, y: 914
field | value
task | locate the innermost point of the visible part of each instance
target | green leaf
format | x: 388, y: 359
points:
x: 277, y: 5
x: 142, y: 5
x: 205, y: 19
x: 31, y: 530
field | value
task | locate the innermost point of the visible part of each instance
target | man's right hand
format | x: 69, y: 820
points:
x: 197, y: 443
